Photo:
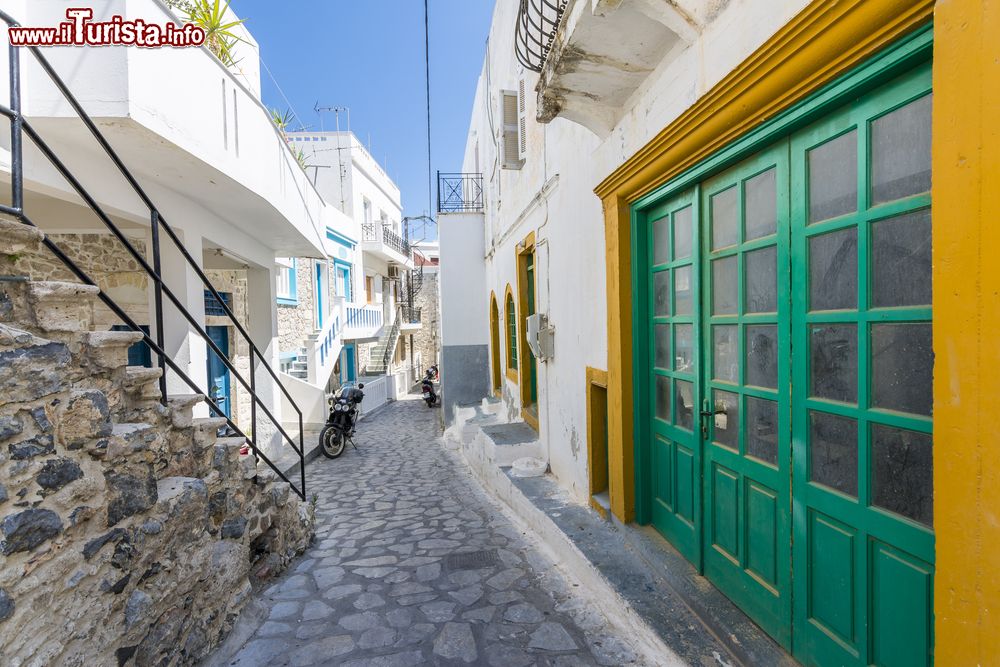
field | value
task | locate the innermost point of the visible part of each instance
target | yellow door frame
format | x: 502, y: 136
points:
x: 825, y: 40
x: 496, y: 371
x: 524, y: 248
x: 510, y: 303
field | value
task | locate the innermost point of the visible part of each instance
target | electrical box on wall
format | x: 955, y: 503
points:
x: 541, y: 336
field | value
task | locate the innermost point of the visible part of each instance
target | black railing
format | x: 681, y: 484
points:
x: 390, y: 343
x: 460, y: 193
x: 19, y: 127
x: 537, y: 23
x: 370, y: 232
x: 410, y: 314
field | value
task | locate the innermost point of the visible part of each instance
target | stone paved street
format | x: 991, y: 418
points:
x: 414, y: 565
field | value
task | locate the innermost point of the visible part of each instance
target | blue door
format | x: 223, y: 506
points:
x: 218, y: 375
x: 348, y: 366
x: 319, y: 295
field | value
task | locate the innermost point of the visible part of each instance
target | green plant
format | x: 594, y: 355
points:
x: 210, y: 16
x: 300, y: 157
x: 282, y: 119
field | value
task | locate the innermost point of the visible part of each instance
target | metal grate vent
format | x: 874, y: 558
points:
x: 472, y: 560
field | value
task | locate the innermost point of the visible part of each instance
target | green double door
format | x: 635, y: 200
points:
x: 788, y: 320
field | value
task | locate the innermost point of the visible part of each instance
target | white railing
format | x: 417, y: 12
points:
x: 325, y: 351
x: 362, y: 321
x: 376, y: 394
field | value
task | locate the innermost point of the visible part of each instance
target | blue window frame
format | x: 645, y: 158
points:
x: 286, y: 289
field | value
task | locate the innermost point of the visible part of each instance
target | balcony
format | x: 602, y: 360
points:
x: 460, y: 193
x: 592, y: 55
x: 362, y: 322
x: 379, y: 240
x: 409, y: 319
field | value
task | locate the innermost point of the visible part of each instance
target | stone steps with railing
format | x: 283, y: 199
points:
x: 160, y: 525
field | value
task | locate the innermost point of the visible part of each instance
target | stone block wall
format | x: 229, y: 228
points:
x: 130, y: 534
x: 103, y: 258
x: 427, y: 341
x: 297, y: 322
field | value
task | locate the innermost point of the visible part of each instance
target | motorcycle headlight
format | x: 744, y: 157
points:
x: 337, y: 407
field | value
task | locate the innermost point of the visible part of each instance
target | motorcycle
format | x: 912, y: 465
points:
x: 427, y: 387
x: 339, y: 429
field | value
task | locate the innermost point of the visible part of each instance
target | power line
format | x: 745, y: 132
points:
x: 427, y: 78
x: 281, y: 92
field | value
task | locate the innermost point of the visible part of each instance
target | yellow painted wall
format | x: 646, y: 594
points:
x: 966, y: 196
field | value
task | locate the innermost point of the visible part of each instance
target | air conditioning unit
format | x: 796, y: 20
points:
x: 394, y: 271
x: 541, y: 337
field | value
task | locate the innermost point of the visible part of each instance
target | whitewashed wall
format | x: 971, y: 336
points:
x: 552, y: 195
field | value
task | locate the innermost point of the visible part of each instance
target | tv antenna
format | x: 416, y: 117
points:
x: 340, y: 152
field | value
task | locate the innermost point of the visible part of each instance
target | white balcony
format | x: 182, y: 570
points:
x: 181, y: 121
x: 362, y: 322
x: 604, y: 50
x: 379, y: 240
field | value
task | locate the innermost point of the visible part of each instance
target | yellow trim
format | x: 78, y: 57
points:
x: 526, y: 247
x: 823, y: 41
x: 966, y: 169
x: 508, y: 299
x: 597, y: 461
x: 496, y: 371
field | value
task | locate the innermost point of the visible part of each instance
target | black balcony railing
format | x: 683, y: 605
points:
x: 410, y: 314
x: 537, y: 23
x: 20, y: 129
x: 369, y: 232
x: 460, y: 193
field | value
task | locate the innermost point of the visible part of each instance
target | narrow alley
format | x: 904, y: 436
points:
x: 412, y: 564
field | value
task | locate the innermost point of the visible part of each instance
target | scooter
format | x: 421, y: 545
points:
x: 427, y: 387
x: 339, y: 429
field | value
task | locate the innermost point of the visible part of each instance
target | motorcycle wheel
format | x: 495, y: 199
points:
x: 332, y: 442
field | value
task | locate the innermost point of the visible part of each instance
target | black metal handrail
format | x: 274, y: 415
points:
x: 369, y: 232
x: 537, y: 24
x: 460, y: 193
x: 20, y: 126
x: 390, y: 342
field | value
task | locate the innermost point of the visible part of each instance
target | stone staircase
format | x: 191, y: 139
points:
x: 131, y: 533
x: 377, y: 366
x: 299, y: 368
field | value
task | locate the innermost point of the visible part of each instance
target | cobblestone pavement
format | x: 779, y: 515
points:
x: 414, y: 565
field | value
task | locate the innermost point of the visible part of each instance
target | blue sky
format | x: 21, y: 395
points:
x: 369, y: 56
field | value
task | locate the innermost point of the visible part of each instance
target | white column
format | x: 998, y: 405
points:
x: 262, y: 326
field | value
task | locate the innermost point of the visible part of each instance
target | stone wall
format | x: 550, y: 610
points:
x: 130, y: 534
x: 297, y: 322
x: 103, y: 258
x: 427, y: 341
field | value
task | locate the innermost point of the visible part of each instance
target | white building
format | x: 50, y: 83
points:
x: 344, y: 318
x: 669, y: 191
x: 201, y: 145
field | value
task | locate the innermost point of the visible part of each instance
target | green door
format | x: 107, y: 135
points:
x: 862, y: 369
x: 745, y: 334
x: 675, y: 455
x: 786, y: 335
x: 529, y: 272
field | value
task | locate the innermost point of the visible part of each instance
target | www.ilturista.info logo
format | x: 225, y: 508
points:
x: 80, y: 30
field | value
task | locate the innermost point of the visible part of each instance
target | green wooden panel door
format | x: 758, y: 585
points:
x: 745, y: 403
x: 862, y: 359
x: 784, y: 322
x: 675, y: 457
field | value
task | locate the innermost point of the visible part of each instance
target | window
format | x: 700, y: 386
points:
x: 367, y: 210
x: 510, y: 107
x: 511, y: 313
x: 369, y: 288
x: 286, y: 289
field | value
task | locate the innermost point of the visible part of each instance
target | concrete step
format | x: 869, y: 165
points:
x: 62, y: 306
x: 109, y: 349
x: 133, y: 440
x: 182, y: 409
x: 206, y: 430
x: 505, y: 443
x: 17, y: 238
x: 142, y: 384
